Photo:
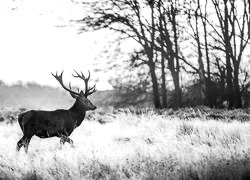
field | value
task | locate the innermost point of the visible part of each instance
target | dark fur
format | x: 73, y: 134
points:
x: 60, y: 123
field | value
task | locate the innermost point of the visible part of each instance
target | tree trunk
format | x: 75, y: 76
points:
x: 176, y: 70
x: 163, y: 73
x: 176, y: 79
x: 229, y: 77
x: 201, y: 65
x: 202, y: 80
x: 156, y: 96
x: 208, y: 83
x: 208, y: 87
x: 229, y: 90
x: 157, y: 102
x: 163, y: 77
x: 222, y: 87
x: 237, y: 93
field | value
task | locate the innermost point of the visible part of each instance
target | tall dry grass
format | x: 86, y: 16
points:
x: 133, y: 146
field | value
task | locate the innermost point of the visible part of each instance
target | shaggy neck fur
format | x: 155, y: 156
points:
x: 77, y: 112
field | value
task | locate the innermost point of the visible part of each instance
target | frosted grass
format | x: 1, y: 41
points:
x: 129, y: 146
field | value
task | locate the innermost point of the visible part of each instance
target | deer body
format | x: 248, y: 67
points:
x: 60, y: 123
x: 46, y: 124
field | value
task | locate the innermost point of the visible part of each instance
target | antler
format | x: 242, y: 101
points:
x: 88, y: 90
x: 59, y: 79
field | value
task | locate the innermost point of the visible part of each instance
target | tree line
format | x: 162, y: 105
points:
x: 205, y: 39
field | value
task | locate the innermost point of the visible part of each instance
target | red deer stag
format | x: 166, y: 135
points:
x: 60, y: 123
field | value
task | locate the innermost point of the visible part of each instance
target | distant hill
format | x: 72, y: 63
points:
x: 34, y: 96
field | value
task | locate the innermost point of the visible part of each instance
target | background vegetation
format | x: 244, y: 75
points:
x: 179, y: 46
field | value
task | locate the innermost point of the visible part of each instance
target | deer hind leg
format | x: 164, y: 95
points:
x: 62, y: 141
x: 20, y: 143
x: 24, y: 141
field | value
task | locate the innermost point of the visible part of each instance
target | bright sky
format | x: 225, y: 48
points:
x: 32, y: 45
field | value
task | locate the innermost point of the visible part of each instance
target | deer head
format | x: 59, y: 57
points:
x: 81, y: 97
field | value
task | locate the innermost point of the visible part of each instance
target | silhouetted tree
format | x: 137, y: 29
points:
x: 233, y: 37
x: 168, y: 44
x: 195, y: 13
x: 219, y: 35
x: 128, y: 17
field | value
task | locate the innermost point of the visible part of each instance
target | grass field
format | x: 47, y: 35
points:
x: 184, y: 144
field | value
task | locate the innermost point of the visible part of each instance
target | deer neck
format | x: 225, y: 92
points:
x: 77, y: 112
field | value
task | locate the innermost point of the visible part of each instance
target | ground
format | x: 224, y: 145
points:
x: 191, y: 143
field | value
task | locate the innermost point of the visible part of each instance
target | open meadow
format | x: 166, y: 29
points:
x: 184, y: 144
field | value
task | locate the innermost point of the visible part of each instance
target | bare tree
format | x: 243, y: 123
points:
x: 195, y: 13
x: 162, y: 52
x: 128, y: 18
x: 225, y: 30
x: 204, y: 16
x: 169, y: 47
x: 233, y: 36
x: 218, y: 27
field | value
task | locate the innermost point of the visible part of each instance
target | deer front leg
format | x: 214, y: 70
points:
x: 64, y: 139
x: 70, y: 141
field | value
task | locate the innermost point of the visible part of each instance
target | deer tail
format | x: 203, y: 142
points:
x: 20, y: 117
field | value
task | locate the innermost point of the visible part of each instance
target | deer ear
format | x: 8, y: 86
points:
x: 81, y: 93
x: 73, y: 95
